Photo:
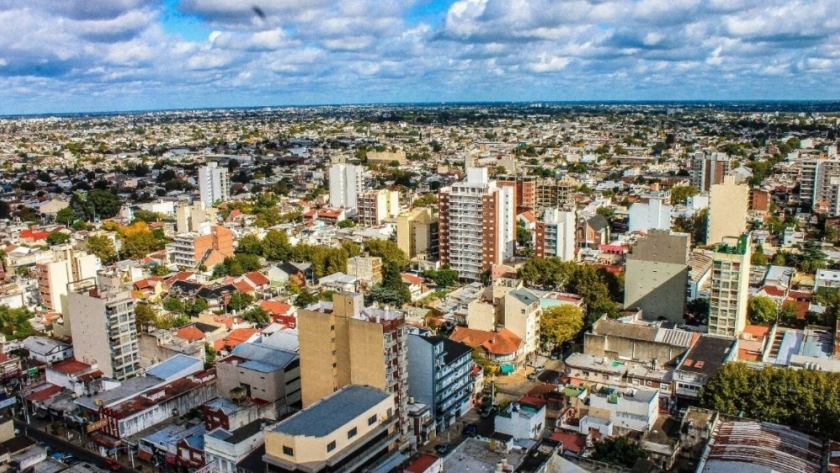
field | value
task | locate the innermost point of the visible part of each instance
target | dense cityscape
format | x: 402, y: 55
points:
x: 521, y: 287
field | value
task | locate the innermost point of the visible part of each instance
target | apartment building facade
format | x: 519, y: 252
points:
x: 68, y: 266
x: 709, y: 168
x: 440, y: 376
x: 730, y: 290
x: 657, y: 275
x: 344, y: 343
x: 213, y: 184
x: 346, y: 183
x: 418, y: 233
x: 191, y: 250
x: 555, y: 235
x: 477, y: 224
x: 104, y: 331
x: 376, y: 206
x: 728, y: 210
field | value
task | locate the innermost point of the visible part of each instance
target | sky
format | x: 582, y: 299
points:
x: 114, y: 55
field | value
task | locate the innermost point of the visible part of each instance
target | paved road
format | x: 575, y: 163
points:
x: 59, y: 444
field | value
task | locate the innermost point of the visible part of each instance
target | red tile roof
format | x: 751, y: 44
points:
x: 239, y: 336
x: 574, y: 443
x: 503, y: 342
x: 412, y: 279
x: 422, y: 464
x: 275, y: 307
x: 258, y: 278
x: 43, y: 392
x: 191, y: 333
x: 71, y: 366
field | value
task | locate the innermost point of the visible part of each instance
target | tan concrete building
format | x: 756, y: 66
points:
x: 265, y: 372
x: 417, y: 233
x: 191, y: 218
x: 104, y: 330
x: 343, y: 343
x: 367, y: 268
x: 709, y: 168
x: 522, y: 317
x: 376, y: 206
x: 728, y: 204
x: 68, y: 266
x: 656, y: 275
x: 386, y: 157
x: 349, y: 430
x: 730, y: 291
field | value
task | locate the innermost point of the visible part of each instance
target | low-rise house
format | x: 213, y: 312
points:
x: 701, y: 362
x: 265, y: 373
x: 524, y: 419
x: 47, y: 350
x: 632, y: 410
x: 224, y: 448
x: 502, y: 348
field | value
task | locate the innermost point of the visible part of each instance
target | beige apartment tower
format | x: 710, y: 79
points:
x: 417, y: 233
x: 730, y: 289
x: 376, y: 206
x: 344, y: 343
x: 728, y: 205
x: 104, y: 330
x: 657, y: 276
x: 68, y: 266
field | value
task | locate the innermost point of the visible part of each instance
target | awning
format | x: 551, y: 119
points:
x: 507, y: 368
x: 144, y: 455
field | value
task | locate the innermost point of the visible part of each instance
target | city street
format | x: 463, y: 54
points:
x: 58, y: 444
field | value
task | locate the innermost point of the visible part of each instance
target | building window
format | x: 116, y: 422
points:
x: 352, y: 432
x: 289, y: 451
x: 331, y: 446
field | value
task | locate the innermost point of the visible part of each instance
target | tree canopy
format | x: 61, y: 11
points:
x: 102, y: 247
x: 560, y: 323
x: 762, y: 309
x: 14, y: 323
x: 806, y: 400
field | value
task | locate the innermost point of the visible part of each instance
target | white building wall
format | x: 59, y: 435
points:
x: 655, y: 215
x: 345, y: 185
x: 521, y: 424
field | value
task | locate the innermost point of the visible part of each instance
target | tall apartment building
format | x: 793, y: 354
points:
x: 191, y: 250
x: 346, y: 184
x: 440, y: 376
x: 343, y: 343
x: 652, y: 213
x: 524, y: 191
x: 213, y: 183
x: 68, y: 266
x: 418, y: 233
x: 376, y: 206
x: 193, y: 218
x: 555, y: 235
x: 730, y: 290
x: 522, y: 310
x: 103, y: 328
x: 656, y: 275
x: 556, y: 193
x: 728, y: 206
x: 477, y: 224
x: 819, y: 183
x: 709, y: 168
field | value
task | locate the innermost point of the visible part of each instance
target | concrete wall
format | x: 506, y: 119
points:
x: 657, y: 276
x: 421, y: 370
x: 727, y: 210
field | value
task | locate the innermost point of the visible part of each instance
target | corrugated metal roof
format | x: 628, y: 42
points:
x: 324, y: 417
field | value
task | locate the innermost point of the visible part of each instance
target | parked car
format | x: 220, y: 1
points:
x: 442, y: 449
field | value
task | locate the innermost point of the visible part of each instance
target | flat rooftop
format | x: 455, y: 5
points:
x: 475, y: 456
x: 324, y: 417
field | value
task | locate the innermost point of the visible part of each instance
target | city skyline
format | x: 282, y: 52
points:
x: 172, y: 54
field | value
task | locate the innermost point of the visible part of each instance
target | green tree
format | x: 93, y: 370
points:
x: 147, y: 216
x: 249, y: 244
x: 762, y: 310
x: 560, y: 323
x: 195, y: 307
x: 304, y: 299
x: 392, y: 290
x: 388, y: 251
x: 209, y: 355
x: 346, y: 223
x: 57, y: 238
x: 789, y: 313
x: 607, y: 212
x: 679, y: 194
x: 444, y: 277
x: 144, y: 316
x: 239, y: 301
x: 256, y: 315
x: 173, y: 304
x: 425, y: 200
x: 275, y: 246
x: 14, y: 323
x: 618, y: 451
x: 139, y: 244
x: 523, y: 236
x: 758, y: 257
x: 66, y: 216
x: 102, y: 247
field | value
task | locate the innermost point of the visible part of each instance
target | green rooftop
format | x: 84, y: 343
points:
x: 737, y: 249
